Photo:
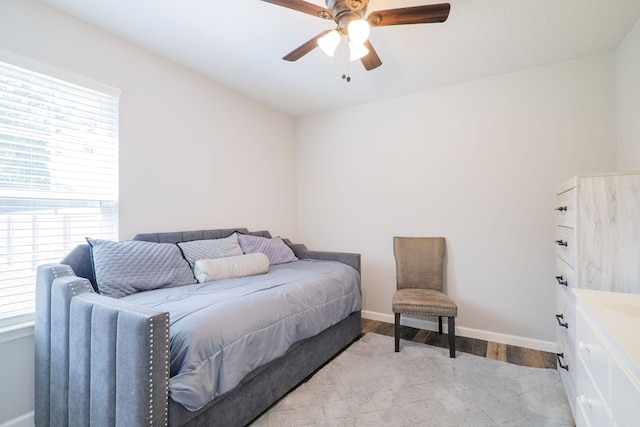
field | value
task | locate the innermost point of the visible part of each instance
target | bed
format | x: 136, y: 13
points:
x: 201, y: 354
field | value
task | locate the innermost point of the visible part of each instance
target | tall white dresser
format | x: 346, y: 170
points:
x: 597, y: 247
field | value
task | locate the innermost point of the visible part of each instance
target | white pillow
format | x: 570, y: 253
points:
x: 207, y: 270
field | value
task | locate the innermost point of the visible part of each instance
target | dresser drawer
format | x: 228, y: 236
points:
x: 566, y: 208
x: 568, y: 381
x: 565, y: 315
x: 590, y: 401
x: 565, y: 274
x: 625, y: 396
x: 566, y: 364
x: 593, y: 352
x: 566, y: 245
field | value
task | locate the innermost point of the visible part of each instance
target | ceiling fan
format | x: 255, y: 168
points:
x: 349, y: 16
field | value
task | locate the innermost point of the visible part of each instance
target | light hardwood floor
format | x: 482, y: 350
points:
x: 491, y: 350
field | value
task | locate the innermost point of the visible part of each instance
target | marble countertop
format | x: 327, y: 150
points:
x: 619, y: 314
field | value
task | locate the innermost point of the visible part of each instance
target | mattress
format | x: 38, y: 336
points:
x: 222, y: 330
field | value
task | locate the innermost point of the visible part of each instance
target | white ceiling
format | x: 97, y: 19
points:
x: 240, y: 43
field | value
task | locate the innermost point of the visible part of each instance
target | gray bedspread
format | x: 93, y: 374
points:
x: 222, y: 330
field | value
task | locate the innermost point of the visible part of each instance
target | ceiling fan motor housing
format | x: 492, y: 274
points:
x: 345, y: 11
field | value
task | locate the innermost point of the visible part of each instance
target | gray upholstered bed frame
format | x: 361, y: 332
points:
x: 101, y: 361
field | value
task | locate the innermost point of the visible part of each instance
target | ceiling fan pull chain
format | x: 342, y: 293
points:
x: 345, y: 61
x: 345, y: 75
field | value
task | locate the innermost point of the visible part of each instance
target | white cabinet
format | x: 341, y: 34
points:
x: 597, y: 240
x: 608, y: 358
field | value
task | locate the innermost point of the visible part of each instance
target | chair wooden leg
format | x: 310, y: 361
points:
x: 397, y: 331
x: 452, y: 337
x: 440, y: 325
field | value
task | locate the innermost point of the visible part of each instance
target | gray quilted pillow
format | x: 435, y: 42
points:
x: 210, y: 248
x: 124, y: 268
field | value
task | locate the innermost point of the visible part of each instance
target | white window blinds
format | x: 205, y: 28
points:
x: 58, y: 177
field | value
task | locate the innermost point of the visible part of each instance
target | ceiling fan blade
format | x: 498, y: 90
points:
x: 410, y: 15
x: 305, y: 48
x: 303, y: 6
x: 371, y: 60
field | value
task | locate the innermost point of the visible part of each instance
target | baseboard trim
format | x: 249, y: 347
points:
x: 430, y: 325
x: 25, y: 420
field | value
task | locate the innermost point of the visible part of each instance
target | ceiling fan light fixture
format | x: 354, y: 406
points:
x: 357, y: 50
x: 359, y: 31
x: 349, y: 15
x: 329, y: 42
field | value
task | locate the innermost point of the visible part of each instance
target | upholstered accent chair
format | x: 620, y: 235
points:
x: 419, y: 284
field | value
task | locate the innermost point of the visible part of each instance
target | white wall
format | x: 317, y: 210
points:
x: 477, y: 163
x: 628, y: 100
x: 193, y: 154
x: 16, y: 378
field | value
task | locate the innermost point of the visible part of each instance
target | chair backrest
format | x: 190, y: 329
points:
x: 419, y: 262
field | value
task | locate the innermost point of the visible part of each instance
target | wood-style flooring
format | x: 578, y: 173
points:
x: 491, y: 350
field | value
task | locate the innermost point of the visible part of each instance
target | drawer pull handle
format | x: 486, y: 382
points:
x: 561, y: 243
x: 561, y: 356
x: 561, y: 208
x: 560, y: 322
x: 561, y: 281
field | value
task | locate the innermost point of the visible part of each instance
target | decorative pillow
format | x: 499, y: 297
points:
x: 275, y: 248
x: 207, y: 270
x: 124, y: 268
x: 211, y: 248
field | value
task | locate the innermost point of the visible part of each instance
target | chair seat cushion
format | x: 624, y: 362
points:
x: 423, y: 301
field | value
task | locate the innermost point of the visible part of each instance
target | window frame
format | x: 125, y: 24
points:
x: 16, y: 325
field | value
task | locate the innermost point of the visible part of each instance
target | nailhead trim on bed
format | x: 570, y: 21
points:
x: 151, y: 371
x: 166, y: 370
x: 62, y: 271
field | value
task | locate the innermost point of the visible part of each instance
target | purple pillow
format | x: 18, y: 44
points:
x: 275, y: 248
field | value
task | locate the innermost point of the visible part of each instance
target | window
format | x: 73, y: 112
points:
x: 58, y: 175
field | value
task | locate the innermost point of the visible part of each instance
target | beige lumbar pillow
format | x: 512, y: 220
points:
x: 207, y: 270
